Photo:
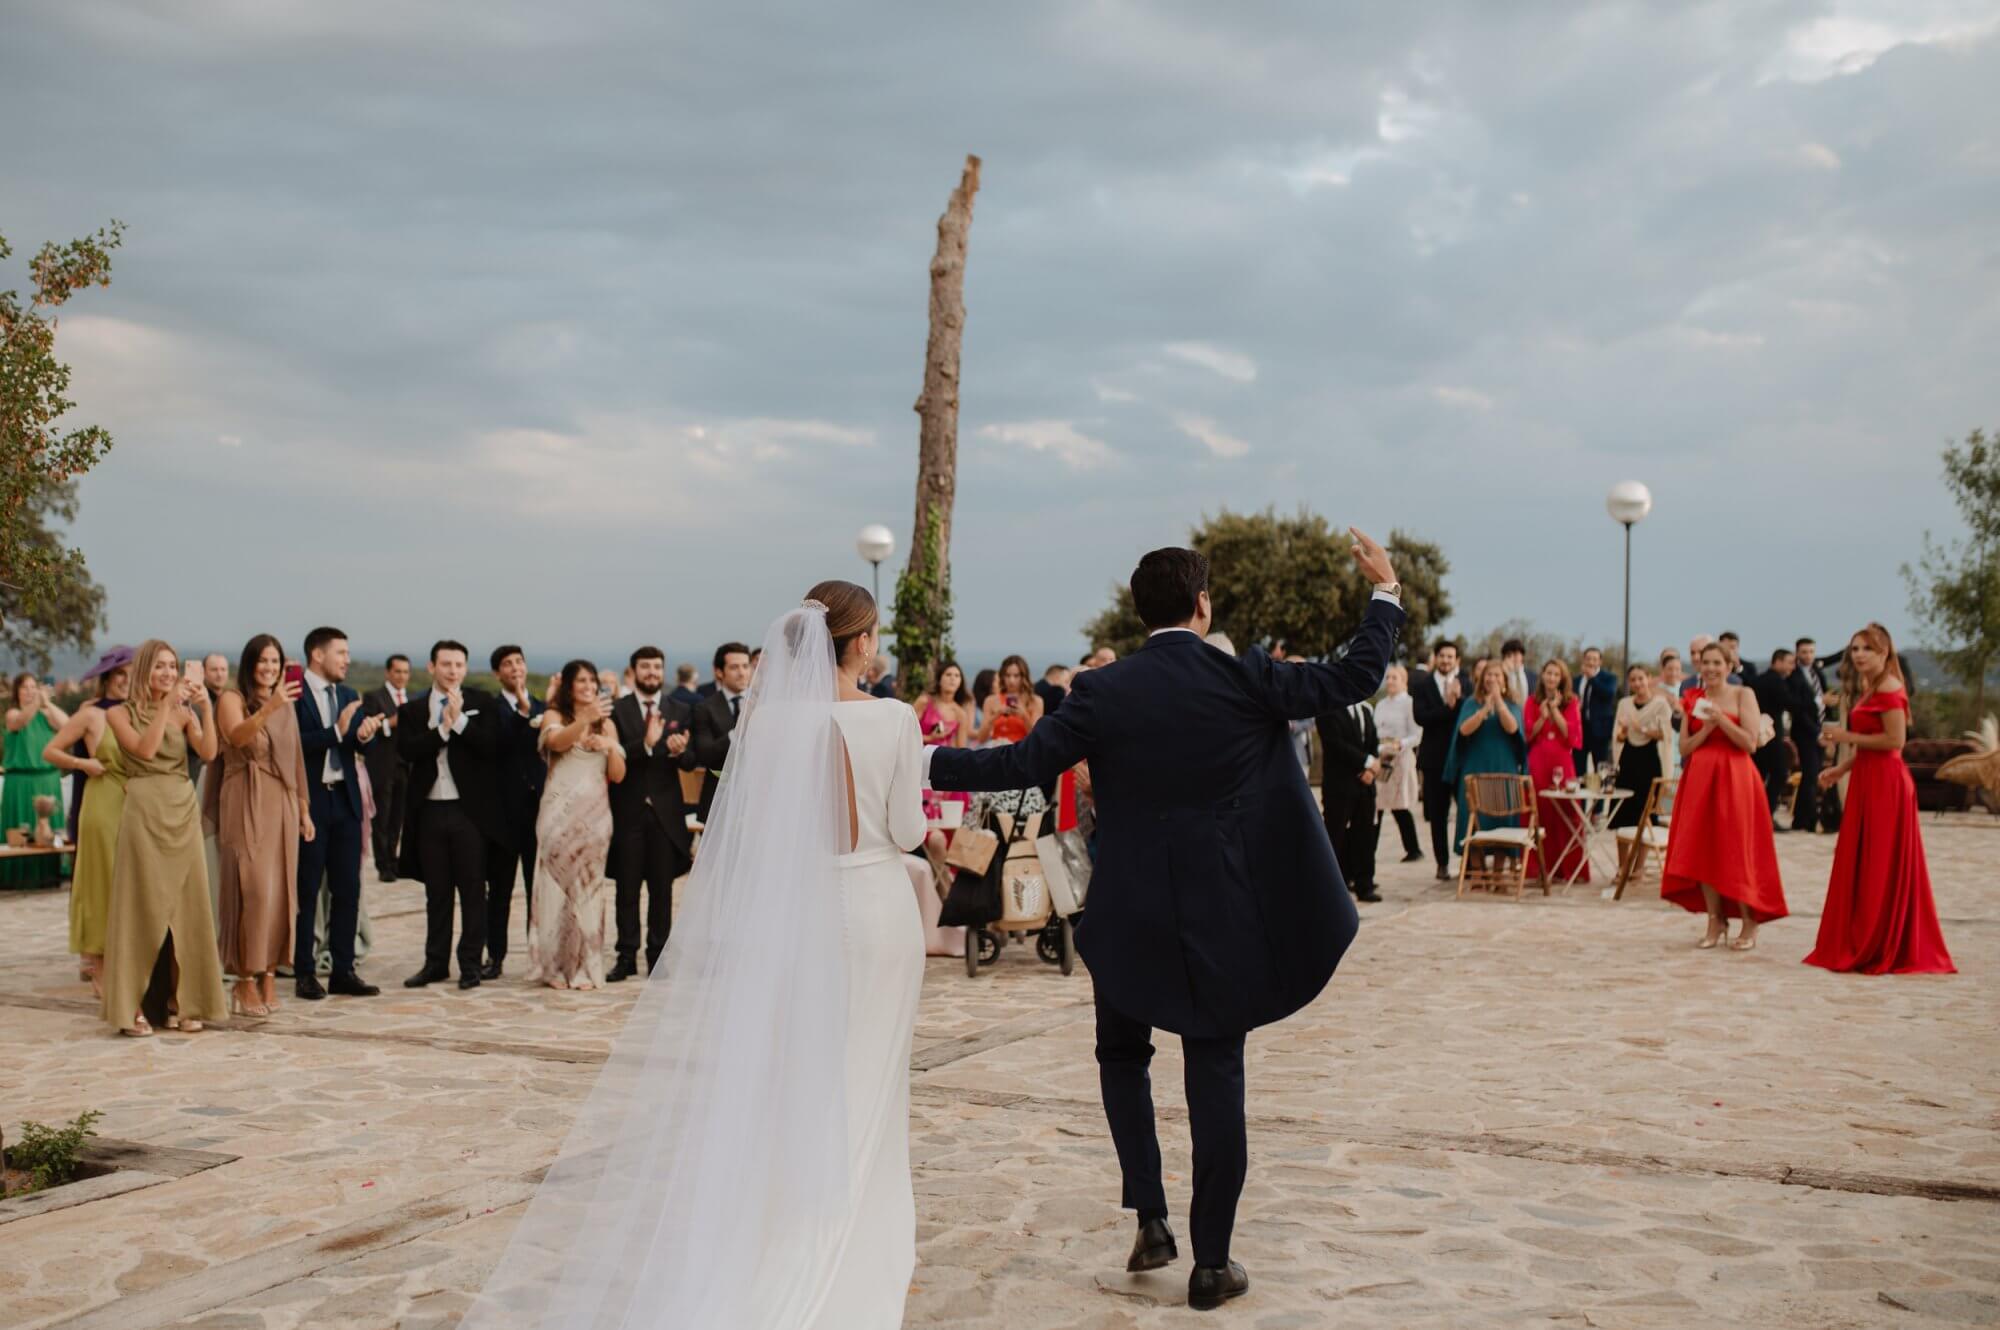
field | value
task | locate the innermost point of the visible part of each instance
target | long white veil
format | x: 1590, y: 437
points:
x: 705, y: 1181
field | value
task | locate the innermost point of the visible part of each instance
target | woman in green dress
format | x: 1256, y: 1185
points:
x: 1487, y: 739
x: 32, y: 720
x: 102, y: 773
x: 160, y: 958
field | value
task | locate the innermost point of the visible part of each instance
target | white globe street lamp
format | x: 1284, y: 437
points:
x: 876, y: 543
x: 1628, y: 503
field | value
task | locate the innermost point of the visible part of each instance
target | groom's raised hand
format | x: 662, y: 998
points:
x: 1372, y: 558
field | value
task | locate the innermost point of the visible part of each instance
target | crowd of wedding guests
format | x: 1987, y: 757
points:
x: 221, y: 812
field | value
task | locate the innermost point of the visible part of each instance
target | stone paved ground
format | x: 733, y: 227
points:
x: 1500, y: 1114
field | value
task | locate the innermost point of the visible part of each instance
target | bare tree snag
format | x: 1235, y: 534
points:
x: 937, y: 404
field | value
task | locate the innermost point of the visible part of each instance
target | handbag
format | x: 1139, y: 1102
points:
x: 972, y: 851
x: 1065, y: 857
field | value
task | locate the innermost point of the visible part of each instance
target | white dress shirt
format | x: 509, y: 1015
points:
x: 445, y: 787
x: 324, y: 697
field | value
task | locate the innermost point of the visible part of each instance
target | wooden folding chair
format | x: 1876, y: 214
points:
x: 1502, y: 851
x: 1634, y: 843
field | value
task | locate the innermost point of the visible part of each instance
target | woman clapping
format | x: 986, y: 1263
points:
x: 1722, y: 849
x: 573, y: 898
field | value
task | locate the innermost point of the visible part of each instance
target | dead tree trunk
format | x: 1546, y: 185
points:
x: 923, y: 597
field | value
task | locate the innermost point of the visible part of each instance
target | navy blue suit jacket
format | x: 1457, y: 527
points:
x: 316, y: 741
x: 1215, y: 905
x: 1599, y: 696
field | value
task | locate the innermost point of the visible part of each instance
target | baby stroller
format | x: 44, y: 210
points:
x: 1002, y: 889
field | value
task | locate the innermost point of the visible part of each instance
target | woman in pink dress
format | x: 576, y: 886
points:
x: 1879, y: 917
x: 944, y: 720
x: 1553, y: 720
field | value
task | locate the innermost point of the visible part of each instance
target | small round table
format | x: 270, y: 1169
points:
x: 1585, y: 824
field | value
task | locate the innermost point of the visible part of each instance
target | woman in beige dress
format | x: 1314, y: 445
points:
x: 257, y: 805
x: 159, y: 938
x: 573, y: 897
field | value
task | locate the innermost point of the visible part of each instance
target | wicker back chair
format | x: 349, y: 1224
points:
x: 1501, y: 852
x: 1650, y: 836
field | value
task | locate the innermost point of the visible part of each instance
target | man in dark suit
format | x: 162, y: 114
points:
x: 684, y: 689
x: 1348, y: 737
x: 715, y: 718
x: 650, y: 841
x: 1597, y: 696
x: 1773, y: 689
x: 388, y: 774
x: 522, y: 770
x: 1052, y: 687
x: 331, y: 739
x: 1806, y: 696
x: 1216, y: 905
x: 1434, y: 697
x: 450, y: 737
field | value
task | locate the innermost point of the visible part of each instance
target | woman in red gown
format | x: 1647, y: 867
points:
x: 1879, y: 916
x: 1722, y: 848
x: 1553, y: 721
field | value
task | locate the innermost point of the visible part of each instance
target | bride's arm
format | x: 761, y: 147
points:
x: 907, y: 823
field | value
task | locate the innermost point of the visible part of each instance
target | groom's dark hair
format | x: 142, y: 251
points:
x: 1165, y: 586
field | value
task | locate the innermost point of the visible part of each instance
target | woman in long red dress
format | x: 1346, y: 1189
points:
x: 1879, y: 916
x: 1722, y: 849
x: 1553, y: 722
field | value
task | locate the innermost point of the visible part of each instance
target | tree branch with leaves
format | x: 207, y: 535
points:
x: 1955, y: 585
x: 47, y: 598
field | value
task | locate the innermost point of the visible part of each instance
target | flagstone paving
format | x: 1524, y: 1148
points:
x: 1552, y: 1112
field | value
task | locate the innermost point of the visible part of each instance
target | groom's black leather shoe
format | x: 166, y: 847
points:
x: 351, y: 984
x: 308, y: 988
x: 426, y: 976
x: 1154, y: 1247
x: 490, y: 970
x: 622, y: 971
x: 1210, y: 1287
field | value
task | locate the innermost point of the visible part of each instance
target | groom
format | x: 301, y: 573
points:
x: 1216, y: 905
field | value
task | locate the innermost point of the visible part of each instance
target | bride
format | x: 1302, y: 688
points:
x: 743, y: 1161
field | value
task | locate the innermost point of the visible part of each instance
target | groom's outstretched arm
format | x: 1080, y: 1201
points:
x: 1058, y: 742
x: 1300, y: 690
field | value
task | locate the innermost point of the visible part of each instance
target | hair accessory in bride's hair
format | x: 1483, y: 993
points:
x: 811, y: 604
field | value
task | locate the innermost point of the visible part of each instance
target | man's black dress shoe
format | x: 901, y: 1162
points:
x: 622, y: 971
x: 351, y: 985
x: 308, y: 988
x: 1210, y: 1287
x: 1153, y: 1248
x: 490, y: 970
x: 389, y: 876
x: 1371, y: 895
x: 1413, y: 856
x: 1444, y: 874
x: 466, y: 981
x: 426, y: 976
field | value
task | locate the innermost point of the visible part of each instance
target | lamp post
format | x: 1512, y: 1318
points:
x: 1628, y: 503
x: 876, y: 543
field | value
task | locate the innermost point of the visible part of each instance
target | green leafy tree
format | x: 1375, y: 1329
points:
x: 922, y: 625
x: 1290, y: 577
x: 47, y: 599
x: 1118, y: 626
x: 1955, y: 586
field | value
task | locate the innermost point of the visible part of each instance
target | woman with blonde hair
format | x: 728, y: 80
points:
x: 1396, y: 794
x: 1553, y: 721
x: 160, y: 957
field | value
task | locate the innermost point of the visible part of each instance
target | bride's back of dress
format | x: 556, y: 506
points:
x: 885, y: 774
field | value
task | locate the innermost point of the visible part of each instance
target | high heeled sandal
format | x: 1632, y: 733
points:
x: 140, y: 1028
x: 1744, y: 943
x: 1713, y: 940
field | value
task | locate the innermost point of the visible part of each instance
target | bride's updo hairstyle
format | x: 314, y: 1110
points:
x: 850, y: 612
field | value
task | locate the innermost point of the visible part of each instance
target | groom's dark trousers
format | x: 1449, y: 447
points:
x: 1215, y: 1115
x: 1216, y: 905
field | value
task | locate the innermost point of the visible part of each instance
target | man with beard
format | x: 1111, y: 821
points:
x: 650, y: 842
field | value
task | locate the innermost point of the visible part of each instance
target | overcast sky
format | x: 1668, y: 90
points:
x: 581, y: 324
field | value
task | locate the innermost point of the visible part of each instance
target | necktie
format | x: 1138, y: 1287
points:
x: 332, y: 708
x: 735, y: 709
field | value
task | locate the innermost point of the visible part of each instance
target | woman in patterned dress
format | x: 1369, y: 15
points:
x: 573, y: 897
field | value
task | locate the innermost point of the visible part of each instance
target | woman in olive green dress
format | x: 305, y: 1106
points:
x: 32, y: 719
x: 103, y: 772
x: 160, y: 938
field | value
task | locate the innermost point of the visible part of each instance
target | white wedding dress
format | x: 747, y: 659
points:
x: 743, y: 1161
